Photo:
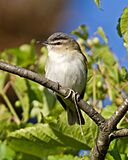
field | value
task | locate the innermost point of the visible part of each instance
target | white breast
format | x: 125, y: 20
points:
x: 67, y: 69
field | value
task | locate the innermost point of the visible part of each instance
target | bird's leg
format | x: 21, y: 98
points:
x: 70, y: 93
x: 74, y: 94
x: 58, y: 85
x: 76, y: 97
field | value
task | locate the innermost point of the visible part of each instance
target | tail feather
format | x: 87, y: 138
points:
x: 72, y: 114
x: 74, y: 118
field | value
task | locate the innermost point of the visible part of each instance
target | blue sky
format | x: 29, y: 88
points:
x: 86, y: 12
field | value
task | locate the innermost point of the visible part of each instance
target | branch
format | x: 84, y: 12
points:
x: 22, y: 72
x: 118, y: 115
x: 109, y: 132
x: 119, y: 133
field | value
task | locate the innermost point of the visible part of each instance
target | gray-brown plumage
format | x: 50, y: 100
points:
x: 68, y: 66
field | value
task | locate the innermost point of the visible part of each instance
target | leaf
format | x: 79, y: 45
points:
x: 103, y: 53
x: 3, y: 77
x: 97, y: 2
x: 26, y: 157
x: 6, y: 152
x: 122, y: 26
x: 114, y: 151
x: 21, y: 92
x: 63, y: 157
x: 102, y: 34
x: 81, y: 32
x: 71, y: 135
x: 42, y: 60
x: 123, y: 73
x: 122, y: 145
x: 108, y: 111
x: 35, y: 141
x: 24, y: 55
x: 53, y: 138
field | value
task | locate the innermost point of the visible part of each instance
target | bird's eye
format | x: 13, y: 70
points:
x: 58, y: 43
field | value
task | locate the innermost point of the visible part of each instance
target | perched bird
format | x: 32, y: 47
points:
x: 68, y: 66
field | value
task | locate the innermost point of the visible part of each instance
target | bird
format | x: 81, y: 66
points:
x: 67, y: 65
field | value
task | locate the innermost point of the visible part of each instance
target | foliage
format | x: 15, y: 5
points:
x: 123, y: 26
x: 97, y: 2
x: 34, y: 125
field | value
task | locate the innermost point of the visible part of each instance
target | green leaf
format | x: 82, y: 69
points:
x: 122, y: 26
x: 102, y: 34
x: 42, y: 60
x: 23, y: 56
x: 97, y: 2
x: 72, y: 136
x: 122, y: 145
x: 123, y: 74
x: 6, y: 153
x: 81, y: 32
x: 53, y: 138
x: 103, y: 53
x: 21, y: 156
x: 3, y: 77
x: 108, y: 111
x: 22, y: 95
x: 36, y: 140
x: 63, y: 157
x: 114, y: 151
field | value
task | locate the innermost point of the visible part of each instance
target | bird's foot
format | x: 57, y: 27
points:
x: 72, y: 93
x: 58, y: 85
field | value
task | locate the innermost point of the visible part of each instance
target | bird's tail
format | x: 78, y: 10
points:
x: 75, y: 117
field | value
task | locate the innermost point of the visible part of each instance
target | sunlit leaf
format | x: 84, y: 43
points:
x: 102, y: 34
x: 123, y: 25
x: 104, y: 54
x: 45, y: 139
x: 21, y: 93
x: 97, y: 2
x: 81, y: 32
x: 108, y: 111
x: 6, y: 152
x: 64, y: 157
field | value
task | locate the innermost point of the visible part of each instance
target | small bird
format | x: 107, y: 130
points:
x: 67, y: 66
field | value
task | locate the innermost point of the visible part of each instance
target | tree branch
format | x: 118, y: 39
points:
x: 22, y: 72
x: 119, y: 133
x: 118, y: 114
x: 109, y: 132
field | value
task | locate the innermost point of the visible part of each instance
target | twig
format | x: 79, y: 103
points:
x: 118, y: 114
x: 119, y: 133
x: 17, y: 120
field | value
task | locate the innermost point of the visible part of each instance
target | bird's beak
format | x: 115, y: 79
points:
x: 45, y: 43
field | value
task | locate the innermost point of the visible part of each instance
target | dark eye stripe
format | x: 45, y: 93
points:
x: 60, y: 38
x: 55, y: 43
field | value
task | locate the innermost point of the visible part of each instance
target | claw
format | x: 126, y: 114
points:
x: 71, y: 92
x: 58, y: 85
